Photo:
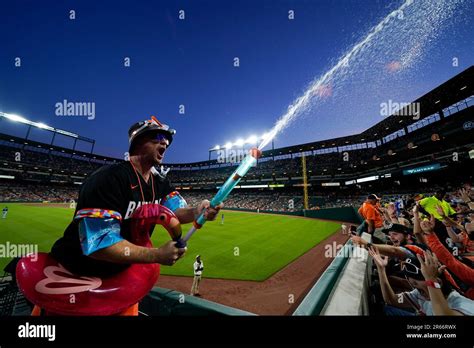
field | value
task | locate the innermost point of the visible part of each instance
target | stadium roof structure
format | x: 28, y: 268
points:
x: 39, y: 125
x: 455, y: 89
x: 51, y: 147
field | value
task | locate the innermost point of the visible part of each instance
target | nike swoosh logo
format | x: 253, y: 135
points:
x: 133, y: 187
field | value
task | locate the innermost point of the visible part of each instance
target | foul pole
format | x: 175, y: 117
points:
x: 305, y: 182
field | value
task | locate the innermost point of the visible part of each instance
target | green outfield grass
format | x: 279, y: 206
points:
x: 248, y: 246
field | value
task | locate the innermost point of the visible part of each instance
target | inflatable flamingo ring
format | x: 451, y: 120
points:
x: 54, y: 289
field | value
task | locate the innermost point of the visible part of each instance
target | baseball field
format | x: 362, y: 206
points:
x: 247, y: 246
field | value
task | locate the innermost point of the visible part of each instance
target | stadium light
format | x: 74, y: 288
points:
x: 44, y: 126
x: 60, y: 131
x: 17, y: 118
x: 252, y: 139
x: 239, y: 143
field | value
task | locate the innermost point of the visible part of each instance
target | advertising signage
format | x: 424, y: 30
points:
x: 423, y: 169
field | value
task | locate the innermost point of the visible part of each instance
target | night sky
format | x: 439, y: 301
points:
x: 190, y: 62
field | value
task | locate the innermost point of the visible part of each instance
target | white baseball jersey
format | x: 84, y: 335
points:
x: 198, y: 268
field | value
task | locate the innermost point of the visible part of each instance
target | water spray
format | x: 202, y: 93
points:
x: 439, y: 11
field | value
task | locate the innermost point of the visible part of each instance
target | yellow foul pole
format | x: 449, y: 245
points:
x: 305, y: 182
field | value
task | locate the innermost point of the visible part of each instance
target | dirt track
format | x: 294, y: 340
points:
x: 270, y: 297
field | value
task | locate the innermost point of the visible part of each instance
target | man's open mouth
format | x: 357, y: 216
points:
x: 161, y: 152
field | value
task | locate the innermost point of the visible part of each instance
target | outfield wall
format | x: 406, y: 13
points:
x: 166, y: 302
x: 291, y: 213
x: 346, y: 214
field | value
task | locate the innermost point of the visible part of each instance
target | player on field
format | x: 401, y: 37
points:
x: 4, y: 212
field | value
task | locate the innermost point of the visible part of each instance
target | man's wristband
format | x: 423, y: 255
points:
x: 433, y: 284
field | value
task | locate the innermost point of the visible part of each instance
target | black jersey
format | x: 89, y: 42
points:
x: 113, y: 187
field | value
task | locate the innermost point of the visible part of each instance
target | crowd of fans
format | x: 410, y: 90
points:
x: 423, y: 251
x: 11, y: 192
x: 31, y: 158
x: 253, y: 200
x: 39, y: 164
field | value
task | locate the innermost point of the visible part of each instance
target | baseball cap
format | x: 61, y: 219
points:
x: 373, y: 196
x: 150, y: 125
x: 397, y: 228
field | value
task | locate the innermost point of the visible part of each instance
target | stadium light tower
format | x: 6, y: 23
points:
x: 240, y: 142
x: 40, y: 125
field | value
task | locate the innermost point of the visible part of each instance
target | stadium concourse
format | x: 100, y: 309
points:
x: 401, y: 159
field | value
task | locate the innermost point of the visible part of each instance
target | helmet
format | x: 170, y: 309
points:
x: 152, y: 124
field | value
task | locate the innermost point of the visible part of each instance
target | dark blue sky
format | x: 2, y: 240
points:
x: 190, y: 62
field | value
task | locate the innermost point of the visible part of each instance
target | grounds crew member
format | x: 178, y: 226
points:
x: 122, y: 188
x: 198, y: 268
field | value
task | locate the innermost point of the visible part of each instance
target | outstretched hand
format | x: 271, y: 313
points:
x: 431, y: 268
x: 380, y: 261
x: 358, y: 241
x: 440, y: 211
x: 427, y: 226
x: 464, y: 194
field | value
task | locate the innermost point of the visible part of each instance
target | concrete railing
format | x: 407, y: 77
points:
x: 342, y: 288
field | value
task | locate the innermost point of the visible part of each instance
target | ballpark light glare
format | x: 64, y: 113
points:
x: 252, y: 139
x: 240, y: 143
x: 17, y: 118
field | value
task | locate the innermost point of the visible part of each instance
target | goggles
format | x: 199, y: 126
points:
x: 408, y: 267
x: 161, y: 137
